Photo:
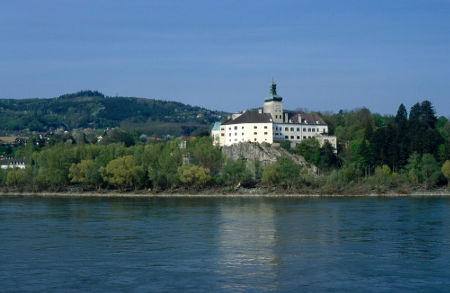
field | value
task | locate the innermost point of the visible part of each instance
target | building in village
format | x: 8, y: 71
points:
x: 271, y: 124
x: 7, y: 163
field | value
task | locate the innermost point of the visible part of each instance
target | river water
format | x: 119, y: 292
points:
x: 224, y: 244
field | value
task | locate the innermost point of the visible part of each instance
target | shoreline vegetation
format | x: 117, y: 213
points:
x: 254, y: 193
x: 376, y: 154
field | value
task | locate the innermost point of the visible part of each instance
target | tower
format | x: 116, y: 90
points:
x: 273, y: 104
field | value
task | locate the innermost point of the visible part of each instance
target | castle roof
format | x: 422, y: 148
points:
x: 305, y: 118
x: 250, y: 117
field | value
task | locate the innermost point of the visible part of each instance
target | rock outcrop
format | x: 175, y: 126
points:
x: 265, y: 153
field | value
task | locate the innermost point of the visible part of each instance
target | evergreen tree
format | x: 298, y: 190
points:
x: 402, y: 116
x: 416, y: 112
x: 428, y: 115
x: 327, y: 157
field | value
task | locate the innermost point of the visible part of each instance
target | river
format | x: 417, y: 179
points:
x: 220, y: 244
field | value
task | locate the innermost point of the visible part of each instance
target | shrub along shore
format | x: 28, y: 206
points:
x: 198, y: 167
x: 376, y: 155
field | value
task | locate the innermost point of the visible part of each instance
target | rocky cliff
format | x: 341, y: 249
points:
x: 265, y: 153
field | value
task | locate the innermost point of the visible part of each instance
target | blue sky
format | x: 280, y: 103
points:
x: 325, y: 55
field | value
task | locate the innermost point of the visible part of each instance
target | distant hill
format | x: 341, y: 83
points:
x: 92, y: 109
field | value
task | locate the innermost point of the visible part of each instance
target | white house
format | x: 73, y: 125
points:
x: 7, y: 163
x: 271, y: 124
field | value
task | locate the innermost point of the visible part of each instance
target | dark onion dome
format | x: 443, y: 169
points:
x: 273, y: 94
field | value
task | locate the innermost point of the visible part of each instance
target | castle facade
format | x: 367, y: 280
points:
x: 271, y: 124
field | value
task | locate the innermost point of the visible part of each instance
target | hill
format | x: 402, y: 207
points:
x: 92, y: 109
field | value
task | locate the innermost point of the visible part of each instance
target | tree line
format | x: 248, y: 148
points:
x: 375, y: 154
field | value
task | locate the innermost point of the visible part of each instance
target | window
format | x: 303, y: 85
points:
x: 242, y: 127
x: 298, y: 128
x: 309, y: 129
x: 255, y: 127
x: 304, y: 137
x: 255, y: 133
x: 286, y: 129
x: 222, y: 129
x: 255, y: 139
x: 265, y: 133
x: 230, y: 134
x: 235, y: 134
x: 242, y: 133
x: 235, y: 128
x: 286, y: 137
x: 229, y: 128
x: 304, y: 129
x: 292, y: 137
x: 222, y: 134
x: 314, y: 130
x: 292, y: 129
x: 265, y: 127
x: 298, y: 137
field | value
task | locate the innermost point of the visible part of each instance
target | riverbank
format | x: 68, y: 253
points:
x: 112, y: 194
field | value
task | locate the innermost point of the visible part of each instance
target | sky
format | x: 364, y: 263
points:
x: 324, y: 55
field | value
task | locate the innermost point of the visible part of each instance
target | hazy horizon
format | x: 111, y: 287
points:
x: 325, y: 55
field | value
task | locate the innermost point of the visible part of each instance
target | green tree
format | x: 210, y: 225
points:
x: 382, y: 174
x: 2, y: 177
x: 327, y: 157
x: 120, y: 172
x: 86, y: 172
x: 14, y: 177
x: 402, y: 115
x: 446, y: 171
x: 139, y: 177
x: 206, y: 155
x: 413, y: 168
x: 271, y: 175
x: 430, y: 170
x: 236, y: 172
x: 284, y: 173
x: 192, y: 175
x: 310, y: 149
x: 55, y: 162
x: 165, y: 168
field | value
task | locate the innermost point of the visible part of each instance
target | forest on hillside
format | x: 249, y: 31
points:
x: 91, y: 109
x: 376, y: 153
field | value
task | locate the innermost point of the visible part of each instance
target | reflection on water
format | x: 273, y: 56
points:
x: 224, y: 244
x: 246, y: 239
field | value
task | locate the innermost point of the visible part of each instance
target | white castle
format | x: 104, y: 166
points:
x: 271, y: 124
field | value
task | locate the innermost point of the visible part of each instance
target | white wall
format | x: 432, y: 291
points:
x: 248, y: 132
x: 297, y: 132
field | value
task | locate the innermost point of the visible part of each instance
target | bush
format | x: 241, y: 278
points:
x: 193, y: 176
